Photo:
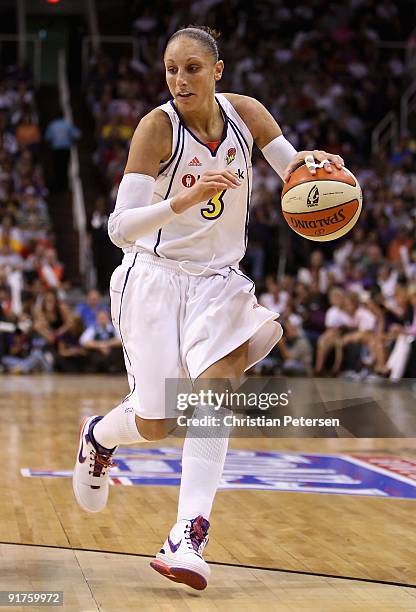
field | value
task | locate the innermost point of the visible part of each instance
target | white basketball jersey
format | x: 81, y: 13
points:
x: 214, y: 232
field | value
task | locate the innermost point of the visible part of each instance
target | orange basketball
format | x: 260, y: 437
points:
x: 322, y: 206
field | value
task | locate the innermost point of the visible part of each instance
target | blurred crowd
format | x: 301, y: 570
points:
x: 39, y: 330
x: 319, y: 69
x: 354, y: 314
x: 353, y: 301
x: 53, y: 335
x: 347, y: 307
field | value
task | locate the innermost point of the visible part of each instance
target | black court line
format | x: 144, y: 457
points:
x: 242, y: 566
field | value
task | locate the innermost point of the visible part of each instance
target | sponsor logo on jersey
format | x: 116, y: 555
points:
x: 313, y: 197
x: 375, y: 476
x: 188, y: 180
x: 230, y: 156
x: 318, y: 223
x: 194, y: 162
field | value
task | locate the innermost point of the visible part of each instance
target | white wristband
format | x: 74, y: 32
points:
x: 134, y: 215
x: 279, y: 153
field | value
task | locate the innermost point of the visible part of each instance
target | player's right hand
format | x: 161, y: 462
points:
x: 210, y: 183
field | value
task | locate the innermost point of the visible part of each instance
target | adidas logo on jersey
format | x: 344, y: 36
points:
x: 195, y: 162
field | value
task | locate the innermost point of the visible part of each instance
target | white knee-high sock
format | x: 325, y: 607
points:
x: 203, y: 459
x: 118, y: 427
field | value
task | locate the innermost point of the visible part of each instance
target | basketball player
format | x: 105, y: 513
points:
x: 182, y: 306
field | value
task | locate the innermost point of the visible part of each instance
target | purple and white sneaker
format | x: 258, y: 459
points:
x: 180, y: 559
x: 91, y: 471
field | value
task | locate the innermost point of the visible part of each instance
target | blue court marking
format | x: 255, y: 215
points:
x: 267, y: 471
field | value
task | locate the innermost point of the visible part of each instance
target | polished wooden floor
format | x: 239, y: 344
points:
x: 270, y: 550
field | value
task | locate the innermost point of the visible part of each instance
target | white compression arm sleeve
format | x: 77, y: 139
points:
x: 134, y: 216
x: 279, y: 153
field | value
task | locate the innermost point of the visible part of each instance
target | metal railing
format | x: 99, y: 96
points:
x: 385, y: 134
x: 411, y: 52
x: 93, y: 25
x: 407, y: 108
x: 78, y: 203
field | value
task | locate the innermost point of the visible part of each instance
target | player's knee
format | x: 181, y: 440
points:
x: 153, y: 429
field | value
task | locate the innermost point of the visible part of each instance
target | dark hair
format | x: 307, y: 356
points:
x: 203, y: 34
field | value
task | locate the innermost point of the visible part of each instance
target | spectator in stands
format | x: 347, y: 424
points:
x: 89, y: 309
x: 101, y: 110
x: 103, y: 345
x: 117, y: 129
x: 398, y: 315
x: 51, y: 271
x: 4, y: 325
x: 60, y: 134
x: 387, y: 279
x: 27, y: 173
x: 10, y: 234
x: 362, y: 329
x: 52, y: 318
x: 276, y: 297
x: 312, y: 308
x: 337, y: 321
x: 295, y: 349
x: 23, y: 105
x: 28, y: 133
x: 33, y: 217
x: 70, y: 356
x: 404, y: 346
x: 9, y: 259
x: 316, y: 271
x: 404, y: 238
x: 24, y: 354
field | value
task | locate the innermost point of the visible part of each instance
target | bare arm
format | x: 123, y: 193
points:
x: 69, y: 351
x: 284, y: 351
x: 260, y: 122
x: 151, y: 144
x: 95, y: 344
x: 265, y: 129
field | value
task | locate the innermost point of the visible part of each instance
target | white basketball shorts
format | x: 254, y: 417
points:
x: 174, y: 324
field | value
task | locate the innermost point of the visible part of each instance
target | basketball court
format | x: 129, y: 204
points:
x: 299, y: 524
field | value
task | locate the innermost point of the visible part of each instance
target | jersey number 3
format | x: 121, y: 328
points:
x: 214, y: 207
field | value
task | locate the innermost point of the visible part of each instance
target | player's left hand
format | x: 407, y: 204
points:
x: 312, y: 159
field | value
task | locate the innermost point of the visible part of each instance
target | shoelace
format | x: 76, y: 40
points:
x: 100, y: 463
x: 197, y: 532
